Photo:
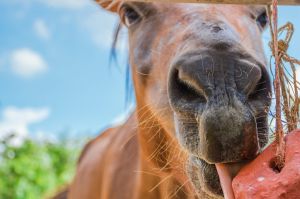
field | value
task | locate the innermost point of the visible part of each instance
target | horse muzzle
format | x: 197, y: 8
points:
x: 214, y: 95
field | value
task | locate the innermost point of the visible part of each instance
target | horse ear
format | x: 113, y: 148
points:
x: 110, y: 5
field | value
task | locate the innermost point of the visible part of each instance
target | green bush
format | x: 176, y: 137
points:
x: 34, y: 170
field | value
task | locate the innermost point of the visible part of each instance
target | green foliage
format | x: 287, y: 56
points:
x: 35, y: 169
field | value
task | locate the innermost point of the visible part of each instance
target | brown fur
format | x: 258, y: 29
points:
x: 111, y: 167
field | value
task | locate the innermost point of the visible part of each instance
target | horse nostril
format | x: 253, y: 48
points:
x: 260, y: 86
x: 190, y: 87
x: 261, y: 89
x: 185, y: 88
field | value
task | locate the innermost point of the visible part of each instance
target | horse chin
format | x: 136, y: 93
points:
x: 205, y: 178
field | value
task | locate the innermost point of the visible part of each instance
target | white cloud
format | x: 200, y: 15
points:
x: 41, y: 29
x: 17, y: 120
x: 27, y: 63
x: 102, y: 31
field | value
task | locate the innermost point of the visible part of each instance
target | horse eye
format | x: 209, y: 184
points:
x: 262, y: 20
x: 129, y: 16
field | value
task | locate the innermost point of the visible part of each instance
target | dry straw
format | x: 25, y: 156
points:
x: 286, y: 86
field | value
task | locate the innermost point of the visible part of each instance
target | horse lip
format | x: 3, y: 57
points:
x: 231, y: 170
x: 235, y: 167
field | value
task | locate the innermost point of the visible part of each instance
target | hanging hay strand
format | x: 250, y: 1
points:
x: 286, y: 86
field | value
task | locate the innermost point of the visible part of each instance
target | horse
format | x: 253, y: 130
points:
x: 202, y: 94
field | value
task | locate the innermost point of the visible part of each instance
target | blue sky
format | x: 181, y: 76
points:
x: 54, y: 71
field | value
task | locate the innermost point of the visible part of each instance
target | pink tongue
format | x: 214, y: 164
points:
x: 226, y: 180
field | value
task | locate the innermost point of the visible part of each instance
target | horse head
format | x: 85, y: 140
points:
x: 201, y: 85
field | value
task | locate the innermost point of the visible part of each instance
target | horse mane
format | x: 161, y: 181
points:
x: 113, y: 56
x: 113, y: 59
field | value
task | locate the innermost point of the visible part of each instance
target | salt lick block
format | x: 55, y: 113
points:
x: 258, y: 180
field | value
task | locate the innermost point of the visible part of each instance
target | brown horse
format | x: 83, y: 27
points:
x: 202, y: 96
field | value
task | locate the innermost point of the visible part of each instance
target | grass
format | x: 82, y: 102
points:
x: 35, y: 169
